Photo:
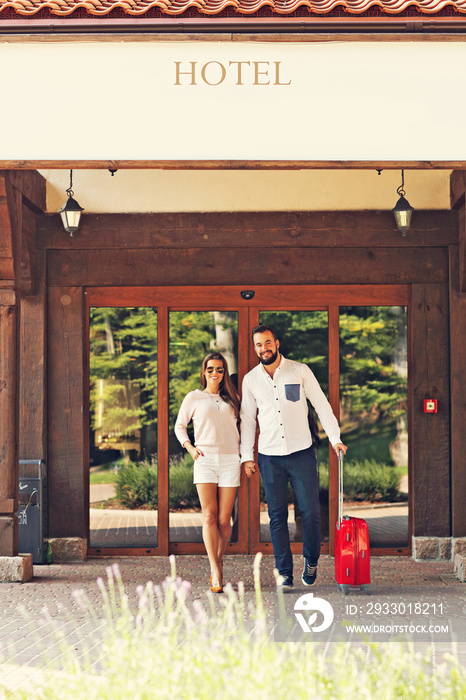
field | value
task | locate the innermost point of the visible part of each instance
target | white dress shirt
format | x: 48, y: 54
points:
x: 279, y: 402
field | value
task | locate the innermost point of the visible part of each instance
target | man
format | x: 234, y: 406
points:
x: 276, y: 391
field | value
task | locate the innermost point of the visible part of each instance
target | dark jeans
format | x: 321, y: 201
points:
x: 299, y: 468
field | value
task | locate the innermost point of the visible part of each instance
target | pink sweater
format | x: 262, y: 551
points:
x: 215, y: 428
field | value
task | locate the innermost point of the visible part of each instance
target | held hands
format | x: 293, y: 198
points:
x: 249, y: 468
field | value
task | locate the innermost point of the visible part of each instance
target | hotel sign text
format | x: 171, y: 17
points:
x: 234, y: 72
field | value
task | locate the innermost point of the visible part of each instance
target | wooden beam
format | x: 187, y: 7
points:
x: 457, y: 188
x: 457, y: 398
x: 67, y: 466
x: 23, y: 232
x: 7, y: 269
x: 277, y: 297
x: 15, y: 209
x: 32, y: 374
x: 233, y: 164
x: 6, y: 234
x: 9, y: 474
x: 462, y: 249
x: 20, y: 195
x: 7, y: 297
x: 33, y: 187
x: 248, y: 230
x: 28, y: 274
x: 209, y: 29
x: 9, y: 465
x: 431, y: 432
x: 246, y: 266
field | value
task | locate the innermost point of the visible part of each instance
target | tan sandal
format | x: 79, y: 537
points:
x: 216, y: 589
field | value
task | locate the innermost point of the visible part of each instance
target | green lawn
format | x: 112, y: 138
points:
x: 102, y: 477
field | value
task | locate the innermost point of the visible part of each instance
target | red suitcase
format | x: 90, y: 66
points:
x: 352, y: 553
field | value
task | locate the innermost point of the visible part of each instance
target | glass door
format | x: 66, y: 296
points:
x: 145, y: 351
x: 192, y: 335
x: 303, y: 336
x: 374, y: 416
x: 123, y: 435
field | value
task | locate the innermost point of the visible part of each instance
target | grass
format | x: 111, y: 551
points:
x: 104, y: 477
x: 170, y: 648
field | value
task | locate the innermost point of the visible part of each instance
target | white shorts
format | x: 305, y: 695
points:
x: 224, y: 470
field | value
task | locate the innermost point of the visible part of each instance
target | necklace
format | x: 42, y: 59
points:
x: 217, y: 401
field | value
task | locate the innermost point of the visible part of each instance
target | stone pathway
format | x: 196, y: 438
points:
x: 388, y: 526
x: 28, y: 639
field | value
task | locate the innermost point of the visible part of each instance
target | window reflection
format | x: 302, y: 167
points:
x: 374, y: 418
x: 123, y: 427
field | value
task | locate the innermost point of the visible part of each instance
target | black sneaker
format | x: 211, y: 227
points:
x: 285, y: 583
x: 310, y: 573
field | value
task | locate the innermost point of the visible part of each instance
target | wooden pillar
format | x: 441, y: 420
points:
x: 458, y: 356
x: 20, y: 196
x: 430, y: 380
x: 68, y: 427
x: 32, y: 375
x: 9, y: 476
x: 458, y: 384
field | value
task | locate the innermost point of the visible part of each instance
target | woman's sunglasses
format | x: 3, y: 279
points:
x: 212, y: 369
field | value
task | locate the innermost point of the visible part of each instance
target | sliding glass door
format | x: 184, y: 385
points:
x: 146, y: 347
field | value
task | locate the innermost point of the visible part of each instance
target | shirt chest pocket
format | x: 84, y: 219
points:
x: 292, y: 392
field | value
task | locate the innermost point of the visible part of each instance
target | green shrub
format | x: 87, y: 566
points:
x: 136, y: 484
x: 182, y: 491
x: 365, y: 481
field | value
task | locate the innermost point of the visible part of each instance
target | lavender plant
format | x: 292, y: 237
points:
x: 164, y: 646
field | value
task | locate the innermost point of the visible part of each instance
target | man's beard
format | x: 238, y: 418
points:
x: 269, y: 360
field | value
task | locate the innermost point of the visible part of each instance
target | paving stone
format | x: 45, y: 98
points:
x: 425, y: 548
x: 459, y: 546
x: 68, y: 549
x: 460, y: 567
x: 27, y: 637
x: 16, y: 569
x: 445, y: 548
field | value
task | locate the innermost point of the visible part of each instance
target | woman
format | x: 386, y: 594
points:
x: 214, y: 410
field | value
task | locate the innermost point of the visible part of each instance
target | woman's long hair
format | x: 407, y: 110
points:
x: 226, y: 389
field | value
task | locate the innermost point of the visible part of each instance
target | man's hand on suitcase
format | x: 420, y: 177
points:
x: 340, y: 446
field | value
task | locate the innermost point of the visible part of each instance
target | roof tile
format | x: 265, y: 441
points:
x: 318, y: 8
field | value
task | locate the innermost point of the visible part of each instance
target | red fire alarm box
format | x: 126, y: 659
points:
x: 430, y: 405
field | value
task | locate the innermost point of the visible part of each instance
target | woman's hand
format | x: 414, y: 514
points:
x: 195, y: 452
x: 249, y: 468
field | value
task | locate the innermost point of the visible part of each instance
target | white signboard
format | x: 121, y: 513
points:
x: 368, y: 101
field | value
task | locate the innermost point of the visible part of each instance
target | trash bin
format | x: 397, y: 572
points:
x: 32, y: 513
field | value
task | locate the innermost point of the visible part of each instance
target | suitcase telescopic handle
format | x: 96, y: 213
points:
x: 341, y: 454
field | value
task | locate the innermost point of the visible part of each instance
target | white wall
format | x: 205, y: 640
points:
x: 218, y: 190
x: 370, y: 101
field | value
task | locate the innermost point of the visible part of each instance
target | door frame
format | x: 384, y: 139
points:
x: 228, y: 298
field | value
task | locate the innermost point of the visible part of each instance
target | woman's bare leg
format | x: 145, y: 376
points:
x: 208, y: 496
x: 226, y: 501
